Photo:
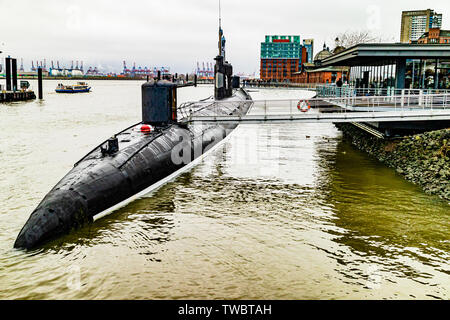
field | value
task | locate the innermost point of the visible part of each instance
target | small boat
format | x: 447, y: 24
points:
x: 79, y: 87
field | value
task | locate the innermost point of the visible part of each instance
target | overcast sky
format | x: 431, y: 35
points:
x: 178, y: 33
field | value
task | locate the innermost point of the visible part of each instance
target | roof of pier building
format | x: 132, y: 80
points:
x: 376, y: 53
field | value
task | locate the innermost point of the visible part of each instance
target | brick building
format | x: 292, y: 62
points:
x: 321, y: 75
x: 282, y: 57
x: 314, y: 73
x: 435, y: 35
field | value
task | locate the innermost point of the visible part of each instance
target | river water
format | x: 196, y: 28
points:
x: 277, y: 212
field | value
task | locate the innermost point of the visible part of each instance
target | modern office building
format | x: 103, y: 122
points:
x: 416, y: 23
x: 281, y: 57
x: 309, y: 45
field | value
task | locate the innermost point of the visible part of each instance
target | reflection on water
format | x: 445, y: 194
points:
x: 277, y: 212
x: 391, y: 224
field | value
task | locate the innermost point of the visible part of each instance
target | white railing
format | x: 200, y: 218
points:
x: 334, y: 91
x: 264, y: 84
x: 297, y: 109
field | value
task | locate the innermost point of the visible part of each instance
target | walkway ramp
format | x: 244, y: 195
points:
x: 331, y: 109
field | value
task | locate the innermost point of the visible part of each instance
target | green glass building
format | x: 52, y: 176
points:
x: 281, y: 57
x: 284, y: 47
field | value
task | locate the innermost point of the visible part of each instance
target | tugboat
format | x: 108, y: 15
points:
x: 79, y: 87
x: 138, y: 159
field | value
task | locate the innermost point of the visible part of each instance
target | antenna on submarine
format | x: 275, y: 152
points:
x: 221, y: 51
x: 220, y: 17
x: 222, y: 70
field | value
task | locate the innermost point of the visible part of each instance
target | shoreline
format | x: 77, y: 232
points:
x: 97, y: 78
x: 423, y: 159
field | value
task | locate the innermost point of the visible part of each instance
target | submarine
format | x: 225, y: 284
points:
x: 139, y: 158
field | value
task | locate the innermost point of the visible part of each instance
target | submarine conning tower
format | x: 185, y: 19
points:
x: 224, y: 81
x: 159, y: 103
x: 223, y: 72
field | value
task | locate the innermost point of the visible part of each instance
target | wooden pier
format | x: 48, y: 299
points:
x: 11, y: 96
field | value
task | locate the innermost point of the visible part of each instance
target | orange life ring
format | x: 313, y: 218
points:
x: 303, y: 106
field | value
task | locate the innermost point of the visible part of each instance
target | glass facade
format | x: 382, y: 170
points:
x: 427, y: 74
x: 309, y: 49
x: 444, y: 74
x: 288, y: 47
x: 381, y: 75
x: 419, y: 74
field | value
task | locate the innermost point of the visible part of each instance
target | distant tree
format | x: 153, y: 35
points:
x: 348, y: 39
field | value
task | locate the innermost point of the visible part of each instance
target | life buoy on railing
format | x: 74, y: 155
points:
x: 303, y: 106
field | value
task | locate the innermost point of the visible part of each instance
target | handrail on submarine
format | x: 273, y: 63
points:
x: 101, y: 144
x: 188, y: 84
x: 141, y: 148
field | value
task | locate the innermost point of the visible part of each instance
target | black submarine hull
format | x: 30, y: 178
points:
x: 100, y: 182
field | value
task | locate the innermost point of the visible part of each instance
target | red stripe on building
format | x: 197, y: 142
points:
x: 281, y: 40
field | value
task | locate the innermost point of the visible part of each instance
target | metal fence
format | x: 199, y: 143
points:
x: 391, y: 102
x: 348, y: 91
x: 317, y: 109
x: 264, y: 84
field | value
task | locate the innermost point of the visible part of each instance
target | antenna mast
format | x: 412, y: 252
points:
x: 220, y: 31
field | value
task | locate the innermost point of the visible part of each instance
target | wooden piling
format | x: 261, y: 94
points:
x: 40, y: 95
x: 8, y: 73
x: 14, y: 74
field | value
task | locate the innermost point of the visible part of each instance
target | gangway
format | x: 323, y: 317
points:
x: 327, y: 109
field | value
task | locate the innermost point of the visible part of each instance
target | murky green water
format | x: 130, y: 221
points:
x: 277, y: 212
